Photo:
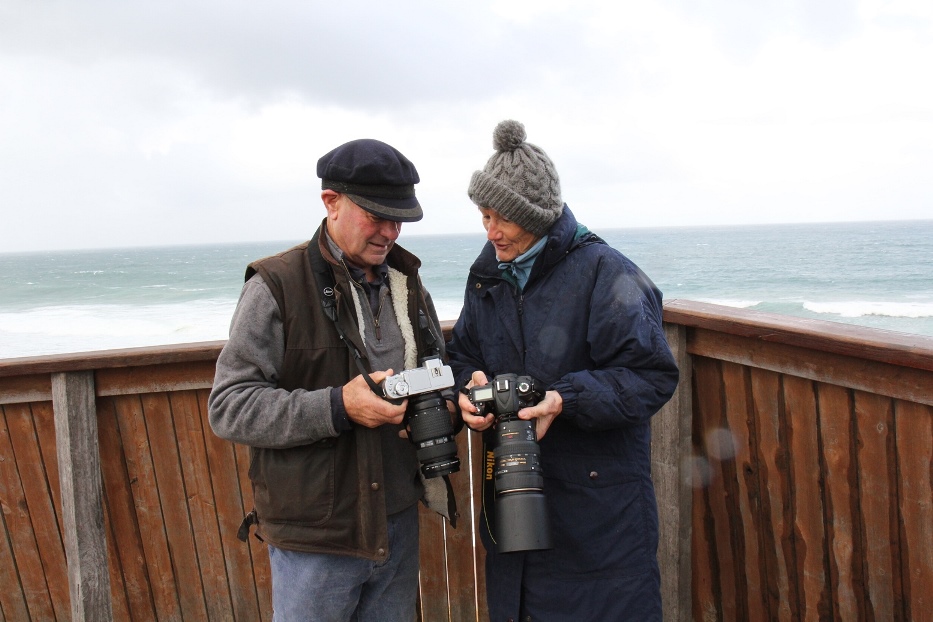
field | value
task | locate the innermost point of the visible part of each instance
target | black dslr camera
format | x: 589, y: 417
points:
x: 521, y: 515
x: 427, y: 416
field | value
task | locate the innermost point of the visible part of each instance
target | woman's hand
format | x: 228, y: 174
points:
x: 470, y: 413
x: 543, y: 412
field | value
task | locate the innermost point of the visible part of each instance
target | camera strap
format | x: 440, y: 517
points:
x: 324, y: 277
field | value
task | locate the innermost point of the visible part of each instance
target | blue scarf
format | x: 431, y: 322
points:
x: 520, y: 267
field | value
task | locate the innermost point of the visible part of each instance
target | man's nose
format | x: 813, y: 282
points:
x: 390, y: 229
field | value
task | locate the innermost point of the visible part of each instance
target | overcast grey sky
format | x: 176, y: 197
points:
x: 173, y: 122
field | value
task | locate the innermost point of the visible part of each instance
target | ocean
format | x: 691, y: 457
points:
x: 877, y: 274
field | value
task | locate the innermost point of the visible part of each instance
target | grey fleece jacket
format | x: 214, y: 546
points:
x: 246, y: 382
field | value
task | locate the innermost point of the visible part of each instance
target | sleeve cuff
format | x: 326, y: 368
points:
x: 569, y: 398
x: 338, y: 412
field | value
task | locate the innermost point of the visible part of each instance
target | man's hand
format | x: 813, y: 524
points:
x: 368, y: 409
x: 543, y: 412
x: 471, y: 416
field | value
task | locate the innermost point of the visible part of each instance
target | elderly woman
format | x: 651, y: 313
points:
x: 550, y: 300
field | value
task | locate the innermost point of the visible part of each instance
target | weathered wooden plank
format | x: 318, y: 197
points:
x: 108, y: 359
x: 202, y: 509
x: 702, y: 585
x: 774, y: 482
x: 914, y: 425
x: 229, y: 503
x: 43, y: 417
x: 12, y: 595
x: 915, y: 385
x: 166, y: 462
x: 877, y: 489
x: 461, y: 554
x: 118, y: 599
x: 841, y: 498
x: 44, y: 421
x: 82, y: 495
x: 149, y: 513
x: 37, y: 491
x: 432, y: 577
x: 129, y: 571
x: 713, y: 585
x: 144, y: 379
x: 670, y: 457
x: 24, y: 389
x: 805, y: 469
x: 741, y: 442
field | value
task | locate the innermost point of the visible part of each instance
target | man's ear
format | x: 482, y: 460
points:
x: 330, y: 199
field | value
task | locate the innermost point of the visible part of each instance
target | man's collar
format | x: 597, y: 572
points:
x: 356, y: 273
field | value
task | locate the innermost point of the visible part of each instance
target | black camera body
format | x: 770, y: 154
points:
x: 522, y: 522
x: 427, y: 417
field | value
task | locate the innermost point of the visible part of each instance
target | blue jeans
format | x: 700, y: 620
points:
x: 321, y: 587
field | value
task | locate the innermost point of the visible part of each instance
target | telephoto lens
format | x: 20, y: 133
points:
x: 521, y: 512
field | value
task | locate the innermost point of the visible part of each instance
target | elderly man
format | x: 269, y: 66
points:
x: 335, y: 479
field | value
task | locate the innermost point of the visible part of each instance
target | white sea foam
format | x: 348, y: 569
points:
x: 85, y: 328
x: 80, y: 328
x: 741, y: 304
x: 862, y: 308
x: 447, y: 309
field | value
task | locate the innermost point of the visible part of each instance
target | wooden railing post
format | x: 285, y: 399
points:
x: 74, y: 403
x: 670, y: 453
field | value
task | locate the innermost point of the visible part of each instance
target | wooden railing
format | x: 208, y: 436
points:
x: 812, y: 464
x: 792, y: 467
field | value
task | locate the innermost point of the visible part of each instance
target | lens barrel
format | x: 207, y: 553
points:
x: 521, y: 514
x: 433, y: 435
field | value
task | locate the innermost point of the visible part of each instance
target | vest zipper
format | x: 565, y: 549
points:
x: 376, y: 325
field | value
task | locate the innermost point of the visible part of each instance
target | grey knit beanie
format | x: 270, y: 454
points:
x: 519, y: 181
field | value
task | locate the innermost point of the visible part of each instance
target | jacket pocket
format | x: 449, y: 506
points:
x: 294, y: 485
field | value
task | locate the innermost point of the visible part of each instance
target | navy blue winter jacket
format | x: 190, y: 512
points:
x: 588, y: 325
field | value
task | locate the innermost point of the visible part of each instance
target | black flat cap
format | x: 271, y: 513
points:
x: 375, y: 176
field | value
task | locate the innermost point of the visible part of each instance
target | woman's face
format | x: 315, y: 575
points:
x: 509, y: 239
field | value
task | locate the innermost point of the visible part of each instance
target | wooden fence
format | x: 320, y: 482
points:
x: 793, y: 470
x: 812, y: 464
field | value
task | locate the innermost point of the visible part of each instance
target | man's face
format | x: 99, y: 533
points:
x: 509, y: 239
x: 364, y: 238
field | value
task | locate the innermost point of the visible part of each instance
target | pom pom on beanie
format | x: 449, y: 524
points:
x: 508, y: 136
x: 519, y: 181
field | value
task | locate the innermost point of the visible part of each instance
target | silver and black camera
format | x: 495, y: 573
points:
x: 432, y: 376
x: 427, y: 416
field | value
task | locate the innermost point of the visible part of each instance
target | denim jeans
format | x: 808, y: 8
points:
x: 325, y: 588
